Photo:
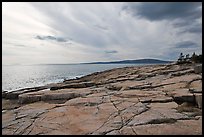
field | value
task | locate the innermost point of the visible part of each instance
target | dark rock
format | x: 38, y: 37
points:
x: 198, y: 69
x: 162, y: 120
x: 198, y: 99
x: 181, y: 99
x: 4, y: 93
x: 182, y: 73
x: 112, y: 87
x: 191, y: 90
x: 11, y: 95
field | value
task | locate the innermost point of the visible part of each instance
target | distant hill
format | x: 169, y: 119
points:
x: 138, y: 61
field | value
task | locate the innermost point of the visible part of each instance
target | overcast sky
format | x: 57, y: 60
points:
x: 56, y: 33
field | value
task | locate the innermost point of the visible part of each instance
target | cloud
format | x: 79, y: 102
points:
x: 186, y: 44
x: 189, y: 26
x: 20, y: 45
x: 77, y: 20
x: 99, y: 31
x: 102, y: 27
x: 58, y: 39
x: 192, y: 28
x: 182, y: 15
x: 111, y: 51
x: 156, y: 11
x: 196, y: 29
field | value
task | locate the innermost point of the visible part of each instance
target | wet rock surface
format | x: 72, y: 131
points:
x: 142, y: 100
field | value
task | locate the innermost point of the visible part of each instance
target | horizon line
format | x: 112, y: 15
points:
x: 18, y: 64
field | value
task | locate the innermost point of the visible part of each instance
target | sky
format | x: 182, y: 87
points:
x: 69, y: 32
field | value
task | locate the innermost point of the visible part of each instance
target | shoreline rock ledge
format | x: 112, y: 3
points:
x: 142, y: 100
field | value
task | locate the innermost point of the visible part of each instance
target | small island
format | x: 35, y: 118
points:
x: 142, y: 61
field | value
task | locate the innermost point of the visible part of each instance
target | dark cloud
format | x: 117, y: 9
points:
x: 58, y: 39
x: 189, y: 26
x: 182, y: 15
x: 186, y: 44
x: 39, y: 37
x: 196, y: 29
x: 155, y: 11
x: 182, y: 23
x: 111, y: 51
x: 61, y: 40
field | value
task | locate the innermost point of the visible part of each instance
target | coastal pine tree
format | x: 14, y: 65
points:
x: 196, y: 58
x: 187, y: 58
x: 193, y: 57
x: 200, y: 58
x: 181, y: 57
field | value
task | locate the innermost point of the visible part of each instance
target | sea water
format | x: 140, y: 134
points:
x: 23, y: 76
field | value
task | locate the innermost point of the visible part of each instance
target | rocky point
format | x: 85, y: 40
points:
x: 141, y: 100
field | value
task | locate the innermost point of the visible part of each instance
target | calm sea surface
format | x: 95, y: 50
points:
x: 22, y: 76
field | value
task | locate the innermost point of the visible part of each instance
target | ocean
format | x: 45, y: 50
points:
x: 23, y: 76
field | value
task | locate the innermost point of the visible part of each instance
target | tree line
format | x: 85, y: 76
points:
x: 187, y: 59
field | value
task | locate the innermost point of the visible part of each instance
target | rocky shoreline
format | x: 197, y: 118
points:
x: 141, y: 100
